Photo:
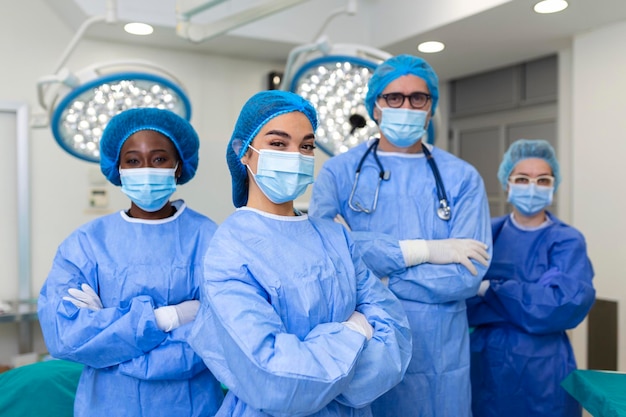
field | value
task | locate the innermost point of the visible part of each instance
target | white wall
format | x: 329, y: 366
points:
x: 598, y: 149
x: 217, y: 87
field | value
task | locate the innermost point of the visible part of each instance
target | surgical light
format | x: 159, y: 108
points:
x: 83, y: 103
x: 334, y: 79
x: 79, y: 105
x: 336, y: 86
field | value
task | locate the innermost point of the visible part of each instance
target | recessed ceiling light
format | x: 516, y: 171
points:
x: 550, y: 6
x: 138, y: 28
x: 430, y: 47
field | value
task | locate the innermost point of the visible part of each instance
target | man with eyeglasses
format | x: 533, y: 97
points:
x: 420, y: 220
x: 539, y: 285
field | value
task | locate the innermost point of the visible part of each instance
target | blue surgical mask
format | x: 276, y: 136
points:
x: 529, y: 199
x: 402, y: 127
x: 283, y: 176
x: 149, y: 188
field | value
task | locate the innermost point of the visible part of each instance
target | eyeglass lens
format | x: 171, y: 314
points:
x: 542, y: 181
x: 417, y: 100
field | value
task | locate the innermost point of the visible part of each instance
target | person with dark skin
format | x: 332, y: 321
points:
x: 124, y: 289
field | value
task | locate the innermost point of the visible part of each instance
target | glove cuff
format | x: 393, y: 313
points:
x: 414, y: 251
x: 166, y: 318
x: 353, y: 326
x: 484, y: 286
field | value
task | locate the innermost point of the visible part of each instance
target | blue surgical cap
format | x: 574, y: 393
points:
x: 258, y: 110
x: 524, y: 149
x: 124, y: 124
x: 397, y: 67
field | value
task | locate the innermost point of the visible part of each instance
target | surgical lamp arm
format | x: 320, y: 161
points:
x: 77, y: 36
x: 64, y: 76
x: 322, y: 45
x: 197, y: 33
x: 350, y: 10
x: 185, y: 9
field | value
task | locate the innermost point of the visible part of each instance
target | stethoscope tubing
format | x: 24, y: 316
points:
x: 443, y: 211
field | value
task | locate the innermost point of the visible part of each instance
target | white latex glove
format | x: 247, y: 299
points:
x: 169, y: 318
x: 484, y: 286
x: 86, y: 297
x: 359, y: 323
x: 339, y: 219
x: 459, y: 251
x: 187, y: 311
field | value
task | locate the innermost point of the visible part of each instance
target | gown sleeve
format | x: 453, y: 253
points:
x: 157, y: 364
x: 558, y: 300
x: 386, y: 356
x: 299, y: 377
x: 325, y: 203
x: 426, y: 282
x: 124, y: 335
x: 99, y: 339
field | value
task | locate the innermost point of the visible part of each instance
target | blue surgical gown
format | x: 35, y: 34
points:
x: 276, y: 290
x: 437, y: 382
x: 132, y: 368
x: 540, y: 286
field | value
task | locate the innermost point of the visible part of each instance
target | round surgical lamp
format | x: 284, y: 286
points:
x: 79, y: 105
x: 84, y: 103
x: 80, y: 118
x: 336, y: 85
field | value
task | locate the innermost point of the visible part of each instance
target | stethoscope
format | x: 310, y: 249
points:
x: 443, y: 211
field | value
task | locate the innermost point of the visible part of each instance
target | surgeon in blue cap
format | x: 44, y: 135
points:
x: 123, y: 289
x: 292, y: 322
x: 393, y: 207
x: 538, y: 286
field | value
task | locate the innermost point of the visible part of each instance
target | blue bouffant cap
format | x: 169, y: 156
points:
x: 168, y: 123
x: 258, y: 110
x: 524, y: 149
x: 397, y: 67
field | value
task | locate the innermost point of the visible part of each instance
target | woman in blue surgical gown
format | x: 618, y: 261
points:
x: 539, y: 285
x: 291, y: 320
x: 123, y: 289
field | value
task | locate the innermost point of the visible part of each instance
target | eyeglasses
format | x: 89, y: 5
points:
x: 417, y: 100
x: 540, y: 181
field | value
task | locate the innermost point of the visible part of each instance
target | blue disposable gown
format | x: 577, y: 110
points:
x: 540, y: 286
x: 132, y: 368
x: 276, y: 291
x: 437, y: 382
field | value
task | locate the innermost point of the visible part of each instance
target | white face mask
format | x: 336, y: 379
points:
x: 283, y: 176
x: 402, y: 127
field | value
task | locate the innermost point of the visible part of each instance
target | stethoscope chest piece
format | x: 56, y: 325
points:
x: 443, y: 212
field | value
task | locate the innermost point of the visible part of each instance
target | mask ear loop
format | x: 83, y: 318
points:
x: 177, y: 176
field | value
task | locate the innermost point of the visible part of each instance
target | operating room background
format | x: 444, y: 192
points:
x: 590, y: 131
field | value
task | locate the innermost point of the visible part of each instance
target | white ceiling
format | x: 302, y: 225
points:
x: 479, y: 34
